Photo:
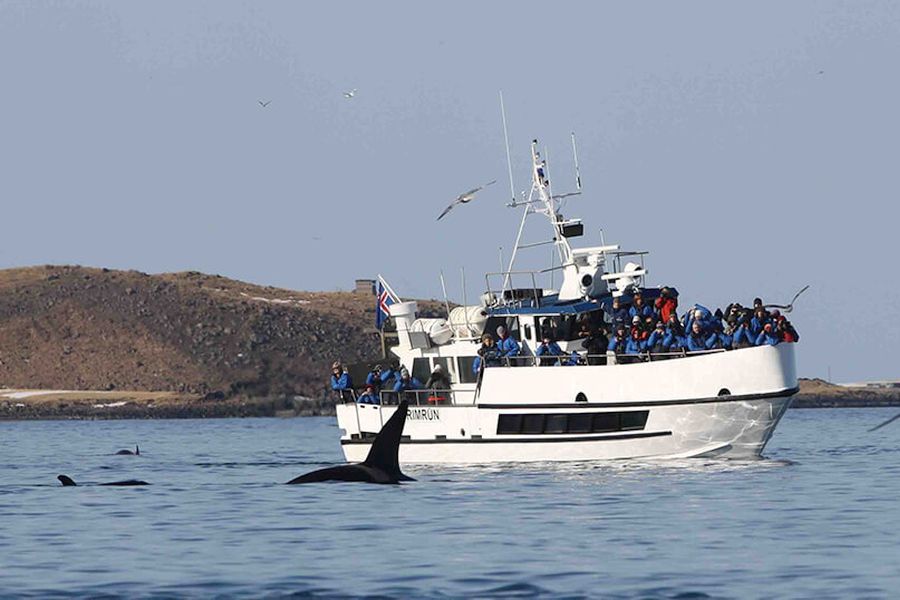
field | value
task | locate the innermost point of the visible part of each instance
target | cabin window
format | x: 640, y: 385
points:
x: 421, y: 370
x: 509, y: 424
x: 464, y: 368
x: 533, y: 423
x: 556, y: 423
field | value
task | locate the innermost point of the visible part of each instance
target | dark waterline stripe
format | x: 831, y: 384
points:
x: 546, y: 438
x: 596, y: 405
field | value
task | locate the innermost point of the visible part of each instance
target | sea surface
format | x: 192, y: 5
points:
x: 818, y: 518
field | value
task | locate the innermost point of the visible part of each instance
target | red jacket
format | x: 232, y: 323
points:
x: 666, y: 307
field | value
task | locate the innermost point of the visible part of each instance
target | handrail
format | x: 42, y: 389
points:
x: 425, y: 397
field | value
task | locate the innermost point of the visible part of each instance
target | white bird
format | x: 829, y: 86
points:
x: 465, y: 198
x: 264, y: 104
x: 350, y: 94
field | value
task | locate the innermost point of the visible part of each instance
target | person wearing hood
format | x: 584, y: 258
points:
x: 639, y: 308
x: 639, y: 333
x: 759, y: 321
x: 406, y: 382
x: 370, y: 396
x: 701, y: 315
x: 507, y: 345
x: 767, y: 337
x: 488, y: 355
x: 698, y: 340
x: 340, y: 378
x: 675, y: 340
x: 549, y: 351
x: 656, y: 341
x: 667, y: 304
x: 438, y: 380
x: 595, y: 345
x: 619, y: 313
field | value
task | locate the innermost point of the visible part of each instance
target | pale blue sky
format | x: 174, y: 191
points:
x: 131, y: 137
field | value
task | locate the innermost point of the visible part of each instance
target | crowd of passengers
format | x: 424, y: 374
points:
x: 636, y: 330
x: 394, y: 378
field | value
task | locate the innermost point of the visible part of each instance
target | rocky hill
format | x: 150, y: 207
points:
x: 77, y: 328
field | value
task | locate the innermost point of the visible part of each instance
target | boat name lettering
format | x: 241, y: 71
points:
x: 424, y: 414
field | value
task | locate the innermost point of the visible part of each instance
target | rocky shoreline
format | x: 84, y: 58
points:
x: 20, y: 405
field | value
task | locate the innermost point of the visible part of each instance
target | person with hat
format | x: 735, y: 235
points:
x: 767, y: 337
x: 370, y: 396
x: 488, y: 355
x: 656, y: 341
x: 698, y: 340
x: 549, y: 350
x: 406, y: 382
x: 438, y: 380
x: 507, y: 345
x: 340, y: 378
x: 639, y: 335
x: 639, y: 308
x: 667, y: 303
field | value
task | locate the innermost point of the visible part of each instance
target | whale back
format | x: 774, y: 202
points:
x: 385, y: 450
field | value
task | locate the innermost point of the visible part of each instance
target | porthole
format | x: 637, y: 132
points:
x: 724, y: 392
x: 580, y: 397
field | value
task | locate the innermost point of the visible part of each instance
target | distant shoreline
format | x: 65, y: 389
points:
x: 33, y: 405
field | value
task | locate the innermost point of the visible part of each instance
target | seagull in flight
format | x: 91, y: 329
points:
x: 350, y: 94
x: 264, y: 104
x: 465, y: 198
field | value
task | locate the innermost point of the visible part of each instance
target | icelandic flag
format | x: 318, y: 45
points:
x: 384, y: 297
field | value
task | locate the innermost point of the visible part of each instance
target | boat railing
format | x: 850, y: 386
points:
x: 429, y: 397
x: 609, y: 358
x: 507, y: 294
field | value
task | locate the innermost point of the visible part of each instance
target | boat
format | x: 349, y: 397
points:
x: 571, y: 407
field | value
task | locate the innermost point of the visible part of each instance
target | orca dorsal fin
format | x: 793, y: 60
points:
x: 137, y: 450
x: 66, y: 480
x: 385, y: 449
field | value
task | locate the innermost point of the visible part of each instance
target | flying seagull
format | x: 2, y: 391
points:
x: 264, y: 104
x: 465, y: 198
x: 350, y: 93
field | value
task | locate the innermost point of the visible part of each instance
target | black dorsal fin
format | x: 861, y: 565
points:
x: 66, y: 480
x: 386, y: 447
x: 137, y: 450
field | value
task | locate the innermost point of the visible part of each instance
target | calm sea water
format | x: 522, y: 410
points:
x: 819, y: 518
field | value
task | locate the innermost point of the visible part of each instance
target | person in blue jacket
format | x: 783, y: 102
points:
x: 507, y: 346
x: 656, y: 341
x: 767, y: 336
x: 619, y: 341
x: 700, y: 314
x: 759, y: 321
x: 340, y: 378
x: 639, y: 307
x: 379, y: 377
x: 549, y: 350
x: 698, y: 340
x: 742, y: 337
x: 370, y: 396
x: 619, y: 313
x: 488, y: 354
x: 406, y: 383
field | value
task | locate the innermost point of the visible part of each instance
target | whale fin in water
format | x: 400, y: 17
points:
x: 382, y: 465
x: 67, y: 481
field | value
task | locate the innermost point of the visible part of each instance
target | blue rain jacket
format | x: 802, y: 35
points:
x: 341, y: 383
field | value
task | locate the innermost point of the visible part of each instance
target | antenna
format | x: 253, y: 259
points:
x: 577, y: 173
x: 444, y: 289
x: 512, y: 188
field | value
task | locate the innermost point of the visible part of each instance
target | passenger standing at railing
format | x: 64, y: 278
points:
x: 595, y: 345
x: 786, y: 331
x: 759, y: 321
x: 340, y: 378
x: 639, y: 334
x: 767, y: 336
x: 549, y: 351
x: 619, y: 313
x: 377, y: 377
x: 742, y: 337
x: 488, y: 355
x: 667, y: 304
x: 698, y: 340
x: 675, y: 340
x: 639, y: 308
x: 619, y: 342
x: 407, y: 383
x: 370, y: 396
x: 438, y: 379
x: 507, y: 346
x: 656, y: 341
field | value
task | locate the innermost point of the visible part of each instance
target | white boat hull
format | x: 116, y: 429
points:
x: 734, y: 425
